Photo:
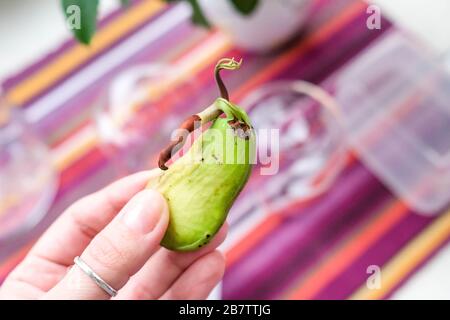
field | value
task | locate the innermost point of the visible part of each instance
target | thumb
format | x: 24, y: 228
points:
x: 119, y: 250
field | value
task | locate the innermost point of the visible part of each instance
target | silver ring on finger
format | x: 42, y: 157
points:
x: 95, y: 277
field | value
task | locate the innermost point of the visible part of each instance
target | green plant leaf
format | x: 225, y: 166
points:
x: 198, y: 17
x: 197, y: 14
x: 125, y: 3
x: 81, y: 18
x: 245, y: 6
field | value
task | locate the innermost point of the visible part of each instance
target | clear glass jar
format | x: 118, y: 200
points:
x: 28, y: 179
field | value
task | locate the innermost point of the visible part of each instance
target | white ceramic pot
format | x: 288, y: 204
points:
x: 272, y: 23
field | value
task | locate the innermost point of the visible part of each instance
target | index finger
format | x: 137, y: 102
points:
x: 70, y: 234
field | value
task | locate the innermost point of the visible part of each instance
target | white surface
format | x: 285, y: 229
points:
x: 431, y: 282
x: 428, y: 19
x: 38, y: 27
x: 262, y: 30
x: 30, y: 29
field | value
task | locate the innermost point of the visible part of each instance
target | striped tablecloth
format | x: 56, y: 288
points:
x: 302, y: 250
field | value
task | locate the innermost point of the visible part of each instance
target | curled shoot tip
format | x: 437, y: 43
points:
x: 227, y: 64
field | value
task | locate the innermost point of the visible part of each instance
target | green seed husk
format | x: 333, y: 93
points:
x: 202, y: 185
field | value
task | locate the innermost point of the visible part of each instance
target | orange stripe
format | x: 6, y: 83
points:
x: 79, y: 54
x: 286, y: 58
x: 343, y: 258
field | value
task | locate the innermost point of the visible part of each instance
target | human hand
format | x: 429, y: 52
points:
x: 117, y: 232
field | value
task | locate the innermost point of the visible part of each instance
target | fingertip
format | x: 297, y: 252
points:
x: 217, y: 262
x: 162, y: 205
x: 145, y: 212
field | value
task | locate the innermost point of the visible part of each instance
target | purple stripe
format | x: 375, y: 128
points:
x: 329, y: 240
x: 321, y: 61
x: 379, y: 254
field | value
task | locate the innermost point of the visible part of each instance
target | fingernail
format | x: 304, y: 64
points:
x: 143, y: 212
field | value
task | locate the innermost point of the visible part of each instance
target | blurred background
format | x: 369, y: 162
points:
x: 360, y: 94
